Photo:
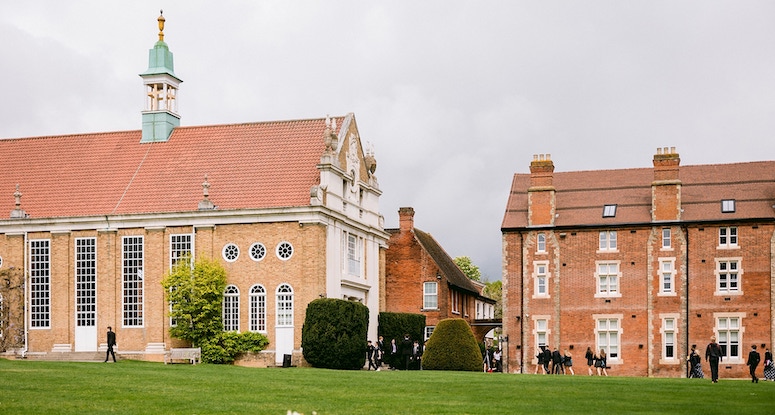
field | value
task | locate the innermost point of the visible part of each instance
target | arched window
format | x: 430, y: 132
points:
x: 231, y: 308
x: 284, y: 306
x: 257, y: 308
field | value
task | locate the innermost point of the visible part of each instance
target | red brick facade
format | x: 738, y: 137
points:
x: 664, y: 268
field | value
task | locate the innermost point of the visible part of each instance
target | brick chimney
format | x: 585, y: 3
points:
x: 666, y: 187
x: 541, y: 193
x: 406, y: 219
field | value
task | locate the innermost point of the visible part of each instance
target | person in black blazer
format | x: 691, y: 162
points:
x: 753, y: 362
x: 111, y: 343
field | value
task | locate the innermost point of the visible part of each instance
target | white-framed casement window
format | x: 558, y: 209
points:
x: 258, y: 308
x: 133, y: 286
x: 729, y: 275
x: 666, y: 276
x: 40, y: 283
x: 86, y: 282
x: 231, y: 308
x: 428, y: 332
x: 541, y: 278
x: 354, y: 252
x: 608, y: 331
x: 729, y: 333
x: 284, y: 306
x: 430, y: 296
x: 727, y: 237
x: 455, y: 301
x: 180, y: 248
x: 541, y: 332
x: 607, y: 279
x: 669, y: 332
x: 667, y: 238
x: 607, y: 241
x: 173, y: 320
x: 541, y: 243
x: 728, y: 206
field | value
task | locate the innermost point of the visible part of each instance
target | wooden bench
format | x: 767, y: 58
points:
x: 192, y: 354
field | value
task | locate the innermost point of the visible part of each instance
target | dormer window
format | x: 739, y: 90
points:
x: 609, y: 211
x: 728, y: 206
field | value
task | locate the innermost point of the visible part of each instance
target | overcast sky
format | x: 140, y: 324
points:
x: 454, y: 96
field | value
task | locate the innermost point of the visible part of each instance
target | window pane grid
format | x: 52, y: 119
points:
x: 40, y: 283
x: 86, y: 282
x: 132, y: 275
x: 180, y: 247
x: 231, y: 309
x: 257, y: 308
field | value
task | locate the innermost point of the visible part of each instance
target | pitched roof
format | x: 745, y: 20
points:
x: 446, y: 264
x: 580, y: 195
x: 253, y: 165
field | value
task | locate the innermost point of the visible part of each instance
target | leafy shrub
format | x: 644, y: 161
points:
x: 334, y: 334
x: 226, y: 346
x: 452, y: 346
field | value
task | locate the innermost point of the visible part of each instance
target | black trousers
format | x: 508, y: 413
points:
x: 752, y: 369
x: 713, y: 368
x: 110, y: 352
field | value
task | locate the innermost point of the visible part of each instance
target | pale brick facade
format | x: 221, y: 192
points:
x: 289, y: 208
x: 643, y: 263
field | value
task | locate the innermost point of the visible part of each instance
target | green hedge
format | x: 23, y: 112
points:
x: 334, y: 334
x: 452, y: 346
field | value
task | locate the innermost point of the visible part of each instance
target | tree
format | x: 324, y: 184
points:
x: 452, y: 346
x: 196, y: 296
x: 494, y: 290
x: 467, y: 266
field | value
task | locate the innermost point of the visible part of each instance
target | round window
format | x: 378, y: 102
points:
x: 230, y: 252
x: 257, y: 251
x: 284, y: 250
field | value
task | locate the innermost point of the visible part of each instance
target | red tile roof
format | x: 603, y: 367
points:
x: 254, y: 165
x: 580, y: 195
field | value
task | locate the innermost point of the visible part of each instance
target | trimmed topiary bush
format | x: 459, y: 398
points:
x: 452, y: 346
x: 334, y: 334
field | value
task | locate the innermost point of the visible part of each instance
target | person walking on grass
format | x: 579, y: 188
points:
x: 713, y: 356
x: 753, y: 363
x: 540, y: 361
x: 111, y: 344
x: 590, y: 360
x: 567, y: 360
x: 557, y: 367
x: 769, y: 366
x: 600, y: 363
x: 695, y: 367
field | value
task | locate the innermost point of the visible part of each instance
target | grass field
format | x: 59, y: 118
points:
x: 132, y: 387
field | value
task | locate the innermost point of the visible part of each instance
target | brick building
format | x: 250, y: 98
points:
x: 420, y: 277
x: 290, y: 208
x: 643, y: 263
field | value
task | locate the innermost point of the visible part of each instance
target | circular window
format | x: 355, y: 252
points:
x: 284, y: 250
x: 1, y: 262
x: 230, y: 252
x: 257, y: 251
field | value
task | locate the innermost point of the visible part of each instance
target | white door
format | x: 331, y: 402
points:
x: 284, y: 324
x: 86, y: 295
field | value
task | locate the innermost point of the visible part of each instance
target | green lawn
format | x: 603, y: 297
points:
x: 131, y: 387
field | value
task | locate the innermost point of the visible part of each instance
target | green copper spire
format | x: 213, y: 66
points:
x: 160, y: 116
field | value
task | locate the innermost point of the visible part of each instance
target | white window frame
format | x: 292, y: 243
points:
x: 609, y: 211
x: 608, y: 336
x: 428, y: 332
x: 541, y: 243
x: 729, y: 276
x: 455, y: 294
x: 284, y: 310
x: 728, y: 206
x: 541, y: 331
x: 40, y: 283
x: 729, y: 331
x: 230, y: 252
x: 608, y: 289
x: 133, y: 282
x: 667, y: 239
x: 85, y: 281
x: 727, y: 237
x: 230, y: 309
x: 607, y: 241
x: 257, y: 308
x: 541, y: 279
x: 181, y: 246
x: 353, y: 251
x: 670, y: 331
x: 284, y: 250
x: 430, y: 296
x: 667, y: 274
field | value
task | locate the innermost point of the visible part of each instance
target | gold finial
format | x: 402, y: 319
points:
x: 161, y: 25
